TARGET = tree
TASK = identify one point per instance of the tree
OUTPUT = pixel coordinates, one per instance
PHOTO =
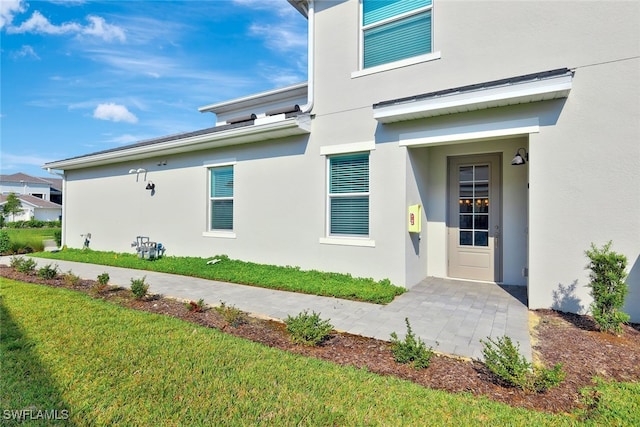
(13, 206)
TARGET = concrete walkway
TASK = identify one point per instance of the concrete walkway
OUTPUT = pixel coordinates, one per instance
(449, 315)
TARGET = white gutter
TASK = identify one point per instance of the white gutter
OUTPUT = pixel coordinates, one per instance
(310, 58)
(297, 125)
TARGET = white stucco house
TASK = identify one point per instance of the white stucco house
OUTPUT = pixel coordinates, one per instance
(488, 141)
(40, 198)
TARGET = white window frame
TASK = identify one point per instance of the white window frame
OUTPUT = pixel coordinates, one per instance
(225, 234)
(433, 55)
(333, 151)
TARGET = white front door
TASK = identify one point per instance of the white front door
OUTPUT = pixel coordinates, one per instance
(474, 220)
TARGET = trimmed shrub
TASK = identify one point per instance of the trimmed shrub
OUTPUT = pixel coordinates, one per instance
(196, 307)
(504, 360)
(5, 242)
(23, 265)
(139, 288)
(232, 315)
(608, 287)
(49, 271)
(308, 329)
(70, 279)
(57, 236)
(411, 349)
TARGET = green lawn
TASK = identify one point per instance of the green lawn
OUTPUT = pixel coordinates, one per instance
(31, 237)
(106, 364)
(248, 273)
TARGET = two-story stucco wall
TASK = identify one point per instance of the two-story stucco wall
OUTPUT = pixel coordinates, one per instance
(584, 158)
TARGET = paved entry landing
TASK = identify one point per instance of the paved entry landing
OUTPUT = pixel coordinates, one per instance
(456, 314)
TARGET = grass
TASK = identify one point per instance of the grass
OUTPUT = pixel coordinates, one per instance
(106, 364)
(29, 237)
(235, 271)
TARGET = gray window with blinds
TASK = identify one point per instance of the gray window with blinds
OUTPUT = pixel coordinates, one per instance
(221, 198)
(393, 30)
(349, 195)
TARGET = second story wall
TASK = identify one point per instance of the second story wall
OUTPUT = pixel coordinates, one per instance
(473, 42)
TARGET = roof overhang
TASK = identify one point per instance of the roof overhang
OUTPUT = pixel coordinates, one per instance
(257, 100)
(519, 90)
(301, 6)
(298, 125)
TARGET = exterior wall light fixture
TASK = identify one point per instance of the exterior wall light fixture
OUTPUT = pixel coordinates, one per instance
(150, 186)
(520, 159)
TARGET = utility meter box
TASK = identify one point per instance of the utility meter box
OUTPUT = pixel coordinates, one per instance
(414, 222)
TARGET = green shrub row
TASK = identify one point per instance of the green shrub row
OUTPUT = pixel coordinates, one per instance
(33, 223)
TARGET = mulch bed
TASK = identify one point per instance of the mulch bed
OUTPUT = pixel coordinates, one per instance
(570, 339)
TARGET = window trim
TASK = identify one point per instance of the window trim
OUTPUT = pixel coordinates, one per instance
(209, 232)
(433, 55)
(338, 239)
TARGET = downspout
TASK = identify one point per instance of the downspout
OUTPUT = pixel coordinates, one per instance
(310, 57)
(63, 238)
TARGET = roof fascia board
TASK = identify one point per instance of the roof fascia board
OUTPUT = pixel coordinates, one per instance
(298, 125)
(552, 88)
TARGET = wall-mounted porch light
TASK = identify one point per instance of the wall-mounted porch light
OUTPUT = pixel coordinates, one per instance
(520, 159)
(150, 186)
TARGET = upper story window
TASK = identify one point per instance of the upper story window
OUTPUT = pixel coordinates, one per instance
(221, 198)
(393, 30)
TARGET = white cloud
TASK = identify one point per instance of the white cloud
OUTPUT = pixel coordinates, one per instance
(8, 8)
(281, 37)
(114, 112)
(97, 27)
(26, 51)
(281, 8)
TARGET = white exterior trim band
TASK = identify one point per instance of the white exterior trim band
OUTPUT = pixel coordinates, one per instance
(512, 94)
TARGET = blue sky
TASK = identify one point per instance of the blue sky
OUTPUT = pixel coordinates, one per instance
(82, 76)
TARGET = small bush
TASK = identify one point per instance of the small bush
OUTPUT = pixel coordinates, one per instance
(70, 279)
(103, 279)
(5, 242)
(504, 360)
(232, 315)
(101, 283)
(23, 265)
(411, 349)
(308, 329)
(608, 287)
(49, 271)
(196, 307)
(139, 288)
(57, 236)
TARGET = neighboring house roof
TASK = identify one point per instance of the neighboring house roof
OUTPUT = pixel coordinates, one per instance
(53, 183)
(23, 177)
(534, 87)
(56, 183)
(36, 202)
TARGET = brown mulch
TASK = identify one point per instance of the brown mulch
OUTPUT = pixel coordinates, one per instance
(570, 339)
